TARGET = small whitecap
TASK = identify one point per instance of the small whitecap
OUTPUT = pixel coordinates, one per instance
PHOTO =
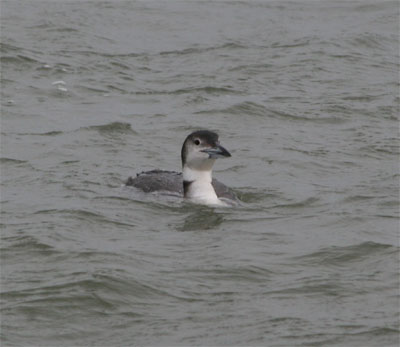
(58, 83)
(63, 89)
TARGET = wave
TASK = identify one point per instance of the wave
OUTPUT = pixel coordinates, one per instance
(211, 90)
(250, 108)
(197, 50)
(83, 215)
(339, 255)
(12, 161)
(112, 128)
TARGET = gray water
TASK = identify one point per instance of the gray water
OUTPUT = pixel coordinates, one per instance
(305, 96)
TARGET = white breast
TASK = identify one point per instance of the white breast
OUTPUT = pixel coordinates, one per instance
(201, 189)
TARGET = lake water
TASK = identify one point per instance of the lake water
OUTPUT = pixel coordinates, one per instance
(304, 94)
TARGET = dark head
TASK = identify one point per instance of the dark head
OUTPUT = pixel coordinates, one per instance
(200, 150)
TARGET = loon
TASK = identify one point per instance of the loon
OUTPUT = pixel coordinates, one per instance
(199, 152)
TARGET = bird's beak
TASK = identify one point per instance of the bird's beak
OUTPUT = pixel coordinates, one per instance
(217, 152)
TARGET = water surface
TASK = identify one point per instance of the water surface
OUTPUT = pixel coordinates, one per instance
(304, 94)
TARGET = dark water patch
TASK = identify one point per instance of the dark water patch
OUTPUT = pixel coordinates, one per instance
(391, 203)
(388, 334)
(381, 331)
(71, 162)
(125, 284)
(296, 43)
(23, 241)
(390, 112)
(7, 47)
(19, 61)
(313, 287)
(360, 198)
(67, 30)
(362, 98)
(348, 58)
(373, 7)
(49, 133)
(389, 146)
(208, 90)
(199, 50)
(13, 161)
(249, 108)
(26, 245)
(157, 201)
(112, 128)
(251, 195)
(253, 68)
(113, 88)
(371, 41)
(332, 109)
(342, 256)
(201, 220)
(238, 274)
(309, 202)
(97, 54)
(245, 108)
(381, 215)
(112, 198)
(51, 26)
(65, 290)
(50, 305)
(93, 90)
(120, 64)
(355, 336)
(83, 215)
(285, 321)
(320, 152)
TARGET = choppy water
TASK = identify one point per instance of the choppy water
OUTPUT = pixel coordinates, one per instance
(305, 96)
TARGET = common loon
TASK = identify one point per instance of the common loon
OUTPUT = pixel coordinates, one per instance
(199, 152)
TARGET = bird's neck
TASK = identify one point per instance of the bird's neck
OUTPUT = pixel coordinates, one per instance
(197, 186)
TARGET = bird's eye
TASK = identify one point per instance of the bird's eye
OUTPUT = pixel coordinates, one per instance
(197, 142)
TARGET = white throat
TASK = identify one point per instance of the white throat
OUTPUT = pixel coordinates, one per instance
(200, 189)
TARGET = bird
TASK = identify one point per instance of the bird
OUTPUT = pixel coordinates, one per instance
(195, 183)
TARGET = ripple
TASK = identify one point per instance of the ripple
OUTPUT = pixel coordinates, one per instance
(371, 40)
(210, 90)
(49, 133)
(83, 215)
(12, 161)
(337, 256)
(85, 264)
(197, 50)
(250, 108)
(113, 128)
(25, 245)
(20, 60)
(299, 204)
